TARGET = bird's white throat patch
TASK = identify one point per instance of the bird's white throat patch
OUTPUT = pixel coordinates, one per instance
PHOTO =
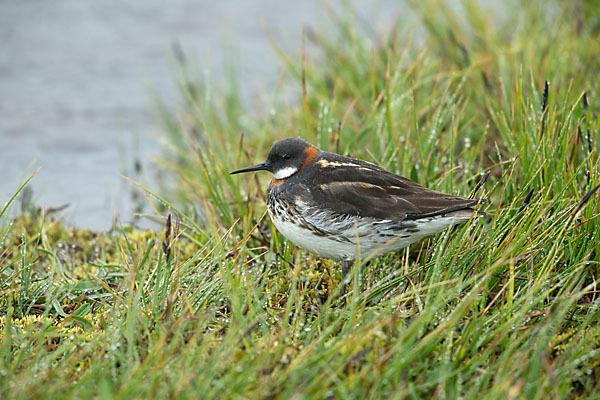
(285, 172)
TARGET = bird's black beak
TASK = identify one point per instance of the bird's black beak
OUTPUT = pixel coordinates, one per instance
(259, 167)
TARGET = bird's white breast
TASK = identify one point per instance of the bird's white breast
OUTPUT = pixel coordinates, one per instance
(336, 237)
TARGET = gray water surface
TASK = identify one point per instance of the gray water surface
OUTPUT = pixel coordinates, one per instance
(77, 80)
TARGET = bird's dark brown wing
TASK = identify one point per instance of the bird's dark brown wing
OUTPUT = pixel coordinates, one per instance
(354, 187)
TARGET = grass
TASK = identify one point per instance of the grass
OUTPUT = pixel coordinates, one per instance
(217, 305)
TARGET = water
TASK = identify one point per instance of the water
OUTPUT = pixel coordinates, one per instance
(77, 80)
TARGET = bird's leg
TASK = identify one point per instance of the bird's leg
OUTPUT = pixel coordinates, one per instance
(345, 269)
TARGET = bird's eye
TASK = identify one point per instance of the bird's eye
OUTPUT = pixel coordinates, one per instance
(286, 157)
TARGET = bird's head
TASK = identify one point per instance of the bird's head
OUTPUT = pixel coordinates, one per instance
(285, 158)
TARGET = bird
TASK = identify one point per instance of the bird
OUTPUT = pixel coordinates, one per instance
(337, 207)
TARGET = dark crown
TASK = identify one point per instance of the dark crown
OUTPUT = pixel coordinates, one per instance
(288, 153)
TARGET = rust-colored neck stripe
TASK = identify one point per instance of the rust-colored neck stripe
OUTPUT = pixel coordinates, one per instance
(311, 153)
(275, 182)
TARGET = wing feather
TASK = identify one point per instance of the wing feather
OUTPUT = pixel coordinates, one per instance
(359, 188)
